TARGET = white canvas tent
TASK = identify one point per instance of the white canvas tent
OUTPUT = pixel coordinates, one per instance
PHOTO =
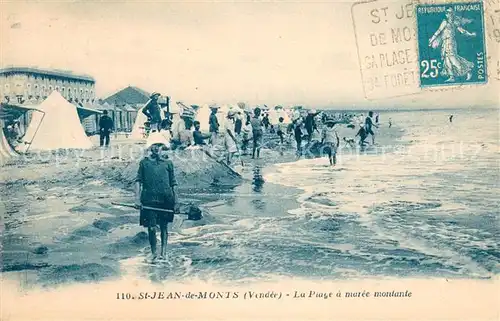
(275, 114)
(6, 152)
(221, 116)
(60, 127)
(203, 116)
(138, 128)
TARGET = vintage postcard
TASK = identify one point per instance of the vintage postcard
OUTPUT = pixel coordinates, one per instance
(249, 160)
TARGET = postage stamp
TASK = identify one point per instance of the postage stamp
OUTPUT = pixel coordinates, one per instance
(451, 44)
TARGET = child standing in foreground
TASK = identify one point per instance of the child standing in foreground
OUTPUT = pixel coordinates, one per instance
(331, 141)
(156, 187)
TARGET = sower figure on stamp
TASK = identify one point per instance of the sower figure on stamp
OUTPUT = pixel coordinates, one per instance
(454, 65)
(156, 187)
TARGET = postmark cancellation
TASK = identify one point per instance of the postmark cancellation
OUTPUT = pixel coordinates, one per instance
(409, 46)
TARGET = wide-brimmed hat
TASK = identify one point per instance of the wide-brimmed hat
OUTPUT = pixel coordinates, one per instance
(311, 111)
(330, 121)
(157, 138)
(154, 94)
(188, 113)
(214, 106)
(231, 113)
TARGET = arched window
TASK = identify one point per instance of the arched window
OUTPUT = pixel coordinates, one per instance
(44, 91)
(70, 94)
(50, 89)
(57, 88)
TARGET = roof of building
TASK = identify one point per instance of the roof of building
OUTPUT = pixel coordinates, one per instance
(11, 112)
(46, 72)
(128, 96)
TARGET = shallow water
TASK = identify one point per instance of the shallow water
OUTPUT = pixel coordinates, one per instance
(423, 205)
(426, 207)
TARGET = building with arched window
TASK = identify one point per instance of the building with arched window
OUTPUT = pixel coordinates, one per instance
(32, 85)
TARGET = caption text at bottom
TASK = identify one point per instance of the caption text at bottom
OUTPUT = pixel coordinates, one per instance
(259, 295)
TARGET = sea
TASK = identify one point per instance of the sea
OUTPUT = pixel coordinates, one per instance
(423, 205)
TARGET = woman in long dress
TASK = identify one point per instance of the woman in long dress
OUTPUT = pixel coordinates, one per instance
(454, 65)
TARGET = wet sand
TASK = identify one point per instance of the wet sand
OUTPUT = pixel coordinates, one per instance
(60, 227)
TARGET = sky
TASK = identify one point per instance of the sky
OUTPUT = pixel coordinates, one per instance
(289, 53)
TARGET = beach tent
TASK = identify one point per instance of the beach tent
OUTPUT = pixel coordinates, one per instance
(222, 115)
(138, 128)
(203, 116)
(176, 109)
(277, 112)
(237, 108)
(59, 127)
(179, 109)
(6, 152)
(10, 113)
(284, 114)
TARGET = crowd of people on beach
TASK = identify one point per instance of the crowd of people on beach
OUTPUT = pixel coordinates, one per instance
(245, 131)
(236, 133)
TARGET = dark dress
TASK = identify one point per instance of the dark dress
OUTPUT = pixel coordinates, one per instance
(213, 123)
(298, 138)
(237, 126)
(158, 179)
(257, 131)
(368, 126)
(309, 124)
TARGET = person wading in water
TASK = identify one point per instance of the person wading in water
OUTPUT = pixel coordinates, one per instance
(230, 142)
(330, 141)
(156, 187)
(369, 124)
(257, 132)
(298, 134)
(310, 123)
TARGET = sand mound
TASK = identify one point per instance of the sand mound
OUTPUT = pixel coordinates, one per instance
(193, 170)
